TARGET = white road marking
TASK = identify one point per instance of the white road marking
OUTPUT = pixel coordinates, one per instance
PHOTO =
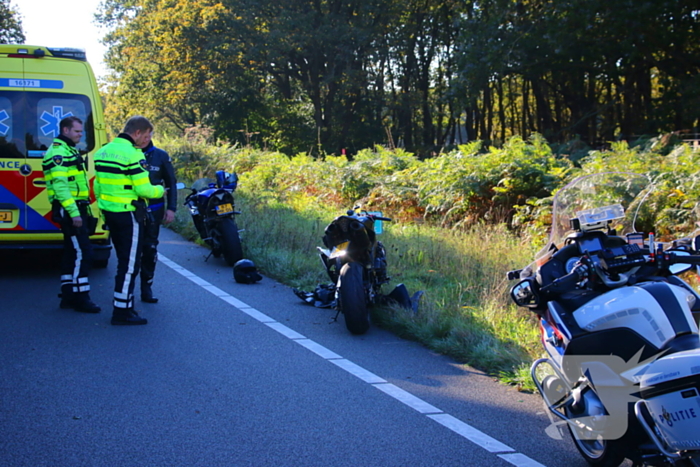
(471, 433)
(357, 370)
(318, 349)
(234, 301)
(520, 460)
(407, 398)
(216, 291)
(465, 430)
(285, 331)
(255, 314)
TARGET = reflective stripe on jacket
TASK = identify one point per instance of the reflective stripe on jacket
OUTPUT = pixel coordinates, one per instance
(65, 177)
(121, 177)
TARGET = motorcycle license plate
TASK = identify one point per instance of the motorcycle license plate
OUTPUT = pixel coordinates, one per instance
(5, 216)
(224, 209)
(339, 250)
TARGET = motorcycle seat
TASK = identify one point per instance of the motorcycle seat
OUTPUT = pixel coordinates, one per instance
(682, 343)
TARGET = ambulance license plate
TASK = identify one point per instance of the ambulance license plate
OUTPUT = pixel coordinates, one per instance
(5, 216)
(224, 209)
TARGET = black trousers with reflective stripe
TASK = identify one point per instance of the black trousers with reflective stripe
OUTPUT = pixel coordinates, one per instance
(76, 261)
(126, 233)
(150, 245)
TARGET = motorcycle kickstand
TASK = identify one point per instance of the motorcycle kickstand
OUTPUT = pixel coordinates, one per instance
(335, 318)
(208, 256)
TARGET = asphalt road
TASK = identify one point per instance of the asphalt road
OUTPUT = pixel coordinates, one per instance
(227, 374)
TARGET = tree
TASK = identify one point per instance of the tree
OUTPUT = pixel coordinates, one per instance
(320, 76)
(10, 24)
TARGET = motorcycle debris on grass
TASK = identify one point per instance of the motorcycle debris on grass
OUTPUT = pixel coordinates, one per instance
(356, 263)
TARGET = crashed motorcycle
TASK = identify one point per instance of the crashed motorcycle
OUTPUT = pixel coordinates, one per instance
(212, 207)
(619, 327)
(356, 263)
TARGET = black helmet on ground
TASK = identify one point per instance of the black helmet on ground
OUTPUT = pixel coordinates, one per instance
(245, 272)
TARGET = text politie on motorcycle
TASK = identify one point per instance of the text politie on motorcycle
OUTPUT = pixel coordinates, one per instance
(121, 184)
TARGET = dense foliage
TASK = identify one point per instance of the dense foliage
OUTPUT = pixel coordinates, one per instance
(326, 75)
(10, 24)
(470, 185)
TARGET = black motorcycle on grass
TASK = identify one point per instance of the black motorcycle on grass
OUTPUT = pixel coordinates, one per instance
(213, 209)
(356, 263)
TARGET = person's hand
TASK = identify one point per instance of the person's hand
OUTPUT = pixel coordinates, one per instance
(169, 216)
(77, 221)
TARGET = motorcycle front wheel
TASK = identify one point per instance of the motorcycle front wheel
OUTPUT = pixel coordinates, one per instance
(351, 296)
(230, 241)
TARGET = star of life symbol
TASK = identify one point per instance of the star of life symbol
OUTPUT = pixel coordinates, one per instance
(52, 120)
(4, 128)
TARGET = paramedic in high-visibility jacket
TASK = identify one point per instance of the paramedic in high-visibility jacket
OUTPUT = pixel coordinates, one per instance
(69, 195)
(121, 187)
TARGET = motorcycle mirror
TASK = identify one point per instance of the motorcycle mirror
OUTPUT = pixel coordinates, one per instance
(523, 294)
(179, 185)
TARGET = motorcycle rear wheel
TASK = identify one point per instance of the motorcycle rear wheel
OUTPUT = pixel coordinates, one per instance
(599, 452)
(351, 295)
(230, 241)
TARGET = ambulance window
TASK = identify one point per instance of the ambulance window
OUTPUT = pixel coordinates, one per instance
(29, 121)
(51, 109)
(10, 146)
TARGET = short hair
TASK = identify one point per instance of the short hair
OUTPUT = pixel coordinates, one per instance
(67, 122)
(136, 123)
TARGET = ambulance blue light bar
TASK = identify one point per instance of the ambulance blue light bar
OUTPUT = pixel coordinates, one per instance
(65, 52)
(78, 54)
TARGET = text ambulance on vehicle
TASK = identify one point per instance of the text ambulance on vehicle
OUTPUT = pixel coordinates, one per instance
(39, 86)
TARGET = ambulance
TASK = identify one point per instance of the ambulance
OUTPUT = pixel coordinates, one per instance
(39, 86)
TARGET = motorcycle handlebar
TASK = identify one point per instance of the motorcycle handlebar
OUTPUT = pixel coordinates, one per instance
(674, 258)
(566, 282)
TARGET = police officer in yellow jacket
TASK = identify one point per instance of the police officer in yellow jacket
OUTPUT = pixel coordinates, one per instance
(68, 190)
(121, 185)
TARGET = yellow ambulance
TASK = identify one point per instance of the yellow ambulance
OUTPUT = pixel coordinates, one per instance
(39, 86)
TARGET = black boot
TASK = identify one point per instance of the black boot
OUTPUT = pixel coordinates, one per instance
(127, 316)
(147, 293)
(66, 296)
(83, 303)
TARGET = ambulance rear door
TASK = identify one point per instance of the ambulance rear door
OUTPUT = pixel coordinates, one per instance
(20, 183)
(34, 105)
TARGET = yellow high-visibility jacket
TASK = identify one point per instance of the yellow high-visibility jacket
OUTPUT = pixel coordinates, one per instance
(121, 176)
(64, 173)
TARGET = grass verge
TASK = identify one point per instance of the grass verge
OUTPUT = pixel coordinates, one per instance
(465, 311)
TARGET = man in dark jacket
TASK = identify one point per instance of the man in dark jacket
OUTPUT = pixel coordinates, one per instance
(161, 172)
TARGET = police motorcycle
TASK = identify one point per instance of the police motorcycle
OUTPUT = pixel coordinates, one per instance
(212, 209)
(622, 371)
(356, 263)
